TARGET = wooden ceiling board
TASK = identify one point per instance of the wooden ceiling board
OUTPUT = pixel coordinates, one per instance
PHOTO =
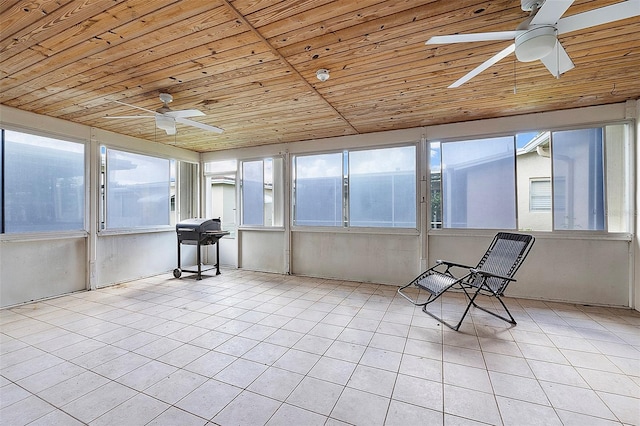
(149, 77)
(109, 57)
(135, 39)
(250, 65)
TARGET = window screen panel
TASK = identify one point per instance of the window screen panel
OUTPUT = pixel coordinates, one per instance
(43, 184)
(618, 177)
(221, 193)
(435, 187)
(138, 190)
(478, 184)
(187, 191)
(253, 193)
(318, 190)
(382, 188)
(578, 179)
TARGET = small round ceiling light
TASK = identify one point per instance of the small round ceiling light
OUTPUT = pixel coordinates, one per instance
(322, 74)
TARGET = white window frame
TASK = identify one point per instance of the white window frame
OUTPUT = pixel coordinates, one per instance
(629, 198)
(277, 193)
(346, 227)
(28, 235)
(103, 228)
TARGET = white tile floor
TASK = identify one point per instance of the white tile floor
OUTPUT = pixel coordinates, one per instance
(254, 348)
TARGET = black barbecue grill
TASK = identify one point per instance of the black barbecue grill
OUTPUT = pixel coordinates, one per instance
(199, 232)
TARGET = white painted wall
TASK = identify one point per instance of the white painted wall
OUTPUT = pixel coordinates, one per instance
(261, 250)
(228, 252)
(578, 269)
(368, 257)
(32, 269)
(125, 257)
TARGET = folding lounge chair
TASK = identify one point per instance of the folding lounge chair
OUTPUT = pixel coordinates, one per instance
(490, 277)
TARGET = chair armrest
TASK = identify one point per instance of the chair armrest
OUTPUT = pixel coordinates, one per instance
(490, 274)
(451, 264)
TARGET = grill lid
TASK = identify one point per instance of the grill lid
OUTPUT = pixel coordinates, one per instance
(198, 225)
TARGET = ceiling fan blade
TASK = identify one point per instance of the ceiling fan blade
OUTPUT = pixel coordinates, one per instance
(603, 15)
(551, 11)
(558, 61)
(183, 113)
(199, 125)
(136, 107)
(486, 64)
(128, 116)
(464, 38)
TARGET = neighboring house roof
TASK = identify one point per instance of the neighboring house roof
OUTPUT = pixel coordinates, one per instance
(541, 140)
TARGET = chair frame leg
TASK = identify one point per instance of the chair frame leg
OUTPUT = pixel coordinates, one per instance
(433, 298)
(434, 316)
(466, 311)
(472, 302)
(471, 296)
(510, 320)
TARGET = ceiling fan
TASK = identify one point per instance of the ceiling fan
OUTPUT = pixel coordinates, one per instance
(537, 36)
(166, 118)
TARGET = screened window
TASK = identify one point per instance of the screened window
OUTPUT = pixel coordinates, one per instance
(221, 193)
(435, 185)
(382, 187)
(365, 188)
(318, 190)
(261, 192)
(566, 180)
(257, 192)
(478, 183)
(137, 190)
(43, 184)
(618, 177)
(253, 196)
(184, 188)
(578, 179)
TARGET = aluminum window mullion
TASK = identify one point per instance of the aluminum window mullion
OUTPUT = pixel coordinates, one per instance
(345, 189)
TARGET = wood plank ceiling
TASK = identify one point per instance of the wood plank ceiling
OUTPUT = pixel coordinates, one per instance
(250, 65)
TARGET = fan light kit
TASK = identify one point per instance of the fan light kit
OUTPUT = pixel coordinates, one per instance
(166, 123)
(537, 37)
(166, 118)
(536, 43)
(322, 74)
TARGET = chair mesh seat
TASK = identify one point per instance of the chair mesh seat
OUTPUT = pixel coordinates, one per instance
(436, 283)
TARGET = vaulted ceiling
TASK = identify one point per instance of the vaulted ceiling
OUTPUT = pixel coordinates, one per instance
(250, 65)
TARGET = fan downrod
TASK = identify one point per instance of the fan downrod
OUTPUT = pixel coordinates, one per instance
(166, 98)
(529, 5)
